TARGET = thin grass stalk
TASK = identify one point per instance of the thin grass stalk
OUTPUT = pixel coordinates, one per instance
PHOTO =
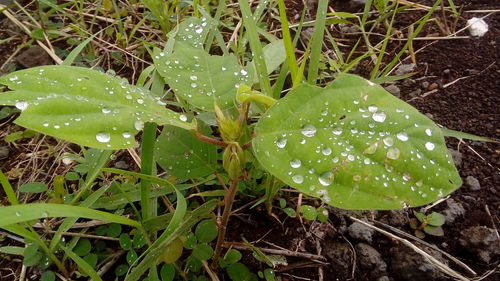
(256, 46)
(147, 161)
(381, 54)
(388, 68)
(317, 41)
(287, 39)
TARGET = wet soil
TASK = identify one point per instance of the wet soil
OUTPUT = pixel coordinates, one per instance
(465, 74)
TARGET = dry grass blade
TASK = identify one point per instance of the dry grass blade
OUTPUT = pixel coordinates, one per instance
(441, 266)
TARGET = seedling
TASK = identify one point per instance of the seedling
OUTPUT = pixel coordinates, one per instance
(430, 224)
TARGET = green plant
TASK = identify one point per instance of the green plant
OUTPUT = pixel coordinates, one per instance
(351, 144)
(430, 224)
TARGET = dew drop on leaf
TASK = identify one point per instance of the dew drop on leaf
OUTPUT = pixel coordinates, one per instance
(326, 151)
(393, 153)
(402, 136)
(139, 125)
(103, 137)
(281, 143)
(298, 179)
(372, 108)
(21, 105)
(428, 132)
(183, 118)
(326, 178)
(295, 163)
(337, 131)
(106, 110)
(371, 149)
(308, 130)
(429, 145)
(126, 134)
(379, 117)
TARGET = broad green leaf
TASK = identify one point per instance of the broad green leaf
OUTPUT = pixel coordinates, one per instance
(84, 106)
(238, 272)
(201, 79)
(309, 212)
(32, 255)
(434, 230)
(184, 156)
(125, 241)
(167, 272)
(436, 219)
(48, 276)
(202, 252)
(27, 212)
(355, 146)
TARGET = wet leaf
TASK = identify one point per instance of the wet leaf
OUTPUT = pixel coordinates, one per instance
(182, 155)
(309, 212)
(84, 106)
(355, 146)
(125, 241)
(121, 270)
(201, 79)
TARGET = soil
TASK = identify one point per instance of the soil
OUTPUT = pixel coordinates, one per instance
(466, 75)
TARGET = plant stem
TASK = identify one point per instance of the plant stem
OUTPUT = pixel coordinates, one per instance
(228, 204)
(210, 140)
(147, 167)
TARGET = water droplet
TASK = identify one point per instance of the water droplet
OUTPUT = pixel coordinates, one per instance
(393, 153)
(309, 130)
(350, 157)
(367, 161)
(45, 124)
(183, 118)
(106, 110)
(139, 125)
(193, 77)
(199, 30)
(21, 105)
(281, 143)
(337, 131)
(326, 178)
(371, 149)
(126, 134)
(194, 85)
(335, 160)
(389, 141)
(45, 215)
(428, 132)
(243, 72)
(326, 151)
(372, 108)
(18, 214)
(295, 163)
(402, 136)
(103, 137)
(298, 179)
(379, 116)
(140, 101)
(429, 145)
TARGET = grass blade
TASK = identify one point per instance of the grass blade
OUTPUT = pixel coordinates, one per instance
(462, 135)
(317, 41)
(256, 46)
(7, 188)
(84, 266)
(76, 51)
(23, 213)
(287, 39)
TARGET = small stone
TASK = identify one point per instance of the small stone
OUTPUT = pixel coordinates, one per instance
(454, 210)
(405, 68)
(446, 71)
(384, 278)
(4, 152)
(433, 86)
(368, 258)
(34, 56)
(473, 183)
(408, 82)
(477, 26)
(121, 165)
(359, 231)
(481, 241)
(425, 85)
(415, 93)
(472, 71)
(393, 89)
(457, 157)
(409, 266)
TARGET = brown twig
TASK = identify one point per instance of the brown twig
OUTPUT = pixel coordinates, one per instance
(228, 204)
(284, 252)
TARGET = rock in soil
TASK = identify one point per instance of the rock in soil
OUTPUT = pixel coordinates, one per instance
(481, 241)
(4, 152)
(405, 68)
(473, 183)
(121, 165)
(457, 157)
(371, 260)
(34, 56)
(409, 265)
(340, 256)
(454, 210)
(393, 89)
(360, 231)
(395, 218)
